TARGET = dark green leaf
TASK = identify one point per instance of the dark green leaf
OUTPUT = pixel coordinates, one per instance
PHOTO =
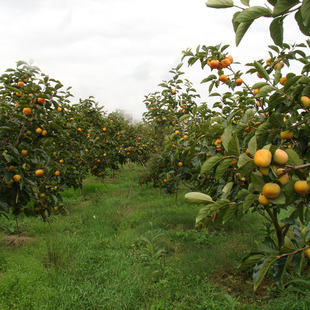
(210, 163)
(261, 269)
(229, 212)
(233, 146)
(261, 70)
(252, 13)
(222, 168)
(304, 29)
(305, 12)
(276, 31)
(249, 201)
(241, 29)
(283, 6)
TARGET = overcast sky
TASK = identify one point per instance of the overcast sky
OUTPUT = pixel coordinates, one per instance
(119, 51)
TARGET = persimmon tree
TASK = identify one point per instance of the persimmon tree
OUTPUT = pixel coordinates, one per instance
(264, 162)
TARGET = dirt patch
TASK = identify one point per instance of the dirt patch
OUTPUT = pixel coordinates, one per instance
(16, 240)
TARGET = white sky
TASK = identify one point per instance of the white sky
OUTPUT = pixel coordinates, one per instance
(119, 51)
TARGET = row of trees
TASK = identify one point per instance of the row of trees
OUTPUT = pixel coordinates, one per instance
(49, 144)
(250, 153)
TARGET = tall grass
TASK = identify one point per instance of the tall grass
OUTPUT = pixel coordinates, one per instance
(124, 246)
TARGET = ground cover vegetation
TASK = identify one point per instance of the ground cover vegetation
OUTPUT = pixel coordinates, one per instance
(245, 162)
(126, 246)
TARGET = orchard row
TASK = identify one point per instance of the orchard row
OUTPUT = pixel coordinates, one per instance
(250, 152)
(49, 144)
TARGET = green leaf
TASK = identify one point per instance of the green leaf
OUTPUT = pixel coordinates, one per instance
(261, 70)
(229, 212)
(293, 158)
(243, 160)
(280, 200)
(261, 269)
(227, 136)
(279, 270)
(210, 163)
(249, 261)
(245, 2)
(259, 85)
(297, 262)
(202, 214)
(305, 12)
(252, 13)
(249, 201)
(184, 117)
(222, 168)
(252, 145)
(233, 146)
(283, 6)
(198, 198)
(304, 29)
(209, 78)
(291, 81)
(218, 4)
(227, 189)
(241, 30)
(257, 181)
(276, 31)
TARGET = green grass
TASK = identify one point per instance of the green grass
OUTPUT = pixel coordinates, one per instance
(125, 246)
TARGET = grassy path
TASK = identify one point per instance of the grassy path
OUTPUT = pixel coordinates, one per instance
(124, 246)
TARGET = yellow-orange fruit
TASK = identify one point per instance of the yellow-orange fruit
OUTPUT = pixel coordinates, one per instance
(283, 80)
(180, 164)
(24, 153)
(280, 157)
(225, 62)
(185, 137)
(262, 158)
(39, 130)
(27, 111)
(265, 170)
(302, 187)
(305, 102)
(231, 59)
(39, 173)
(16, 178)
(284, 179)
(263, 200)
(214, 64)
(239, 81)
(307, 252)
(288, 134)
(271, 190)
(223, 78)
(57, 173)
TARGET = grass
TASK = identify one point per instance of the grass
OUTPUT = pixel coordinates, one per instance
(124, 246)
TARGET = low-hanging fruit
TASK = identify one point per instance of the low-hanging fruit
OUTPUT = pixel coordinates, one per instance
(39, 173)
(288, 134)
(280, 157)
(305, 101)
(223, 78)
(263, 200)
(239, 82)
(16, 178)
(283, 177)
(307, 252)
(27, 111)
(302, 187)
(262, 158)
(271, 190)
(41, 100)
